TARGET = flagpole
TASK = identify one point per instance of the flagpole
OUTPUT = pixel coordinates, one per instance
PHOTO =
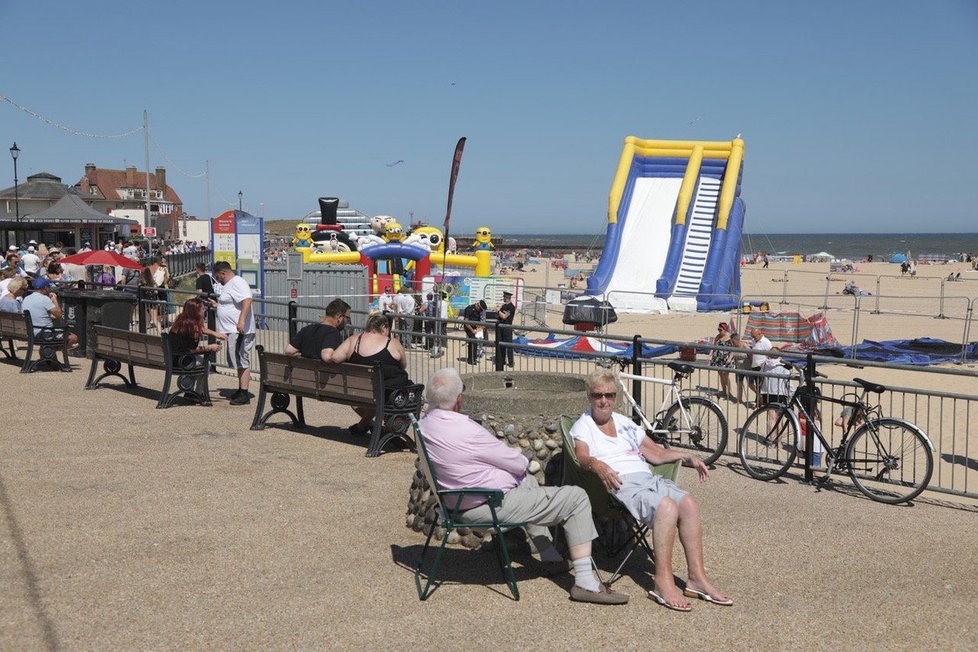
(456, 163)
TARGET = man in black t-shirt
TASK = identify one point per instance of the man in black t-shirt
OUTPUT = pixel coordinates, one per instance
(505, 325)
(205, 282)
(319, 340)
(473, 313)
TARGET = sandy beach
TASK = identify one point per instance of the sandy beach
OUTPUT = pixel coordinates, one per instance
(128, 527)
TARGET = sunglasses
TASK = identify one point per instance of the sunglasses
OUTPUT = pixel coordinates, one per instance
(599, 395)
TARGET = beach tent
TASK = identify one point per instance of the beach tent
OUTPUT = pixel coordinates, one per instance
(899, 259)
(822, 256)
(794, 328)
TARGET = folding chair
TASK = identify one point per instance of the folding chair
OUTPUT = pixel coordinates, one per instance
(448, 512)
(605, 507)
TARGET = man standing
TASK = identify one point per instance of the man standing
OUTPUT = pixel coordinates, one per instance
(235, 319)
(405, 306)
(761, 343)
(505, 325)
(320, 340)
(42, 303)
(204, 282)
(31, 261)
(464, 454)
(472, 314)
(386, 301)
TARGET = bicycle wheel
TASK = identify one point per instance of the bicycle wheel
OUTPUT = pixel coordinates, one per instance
(890, 460)
(704, 430)
(767, 443)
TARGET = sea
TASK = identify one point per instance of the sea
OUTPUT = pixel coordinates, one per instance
(855, 246)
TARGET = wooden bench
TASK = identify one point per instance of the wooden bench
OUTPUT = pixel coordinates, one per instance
(114, 347)
(48, 340)
(348, 384)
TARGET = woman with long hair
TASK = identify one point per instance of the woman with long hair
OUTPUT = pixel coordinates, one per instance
(189, 328)
(146, 293)
(375, 345)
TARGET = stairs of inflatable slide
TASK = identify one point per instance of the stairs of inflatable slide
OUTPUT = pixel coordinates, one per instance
(697, 245)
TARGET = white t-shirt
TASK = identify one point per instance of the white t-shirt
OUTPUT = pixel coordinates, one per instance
(31, 263)
(620, 453)
(762, 344)
(780, 383)
(386, 303)
(229, 306)
(404, 304)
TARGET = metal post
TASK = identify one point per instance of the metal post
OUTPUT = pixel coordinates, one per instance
(825, 302)
(637, 370)
(500, 352)
(941, 313)
(149, 214)
(877, 311)
(142, 310)
(14, 153)
(810, 407)
(293, 316)
(784, 289)
(857, 300)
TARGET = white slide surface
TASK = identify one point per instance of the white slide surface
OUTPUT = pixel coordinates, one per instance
(643, 246)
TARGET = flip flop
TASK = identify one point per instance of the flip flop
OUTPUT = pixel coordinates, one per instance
(693, 593)
(665, 603)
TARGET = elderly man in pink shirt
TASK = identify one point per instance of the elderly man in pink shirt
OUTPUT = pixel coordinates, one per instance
(465, 454)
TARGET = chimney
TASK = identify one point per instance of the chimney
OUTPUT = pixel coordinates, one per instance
(131, 176)
(90, 174)
(161, 179)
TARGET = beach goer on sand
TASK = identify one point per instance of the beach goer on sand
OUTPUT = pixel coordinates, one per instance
(913, 268)
(761, 343)
(471, 314)
(375, 346)
(612, 447)
(723, 358)
(321, 340)
(464, 454)
(236, 320)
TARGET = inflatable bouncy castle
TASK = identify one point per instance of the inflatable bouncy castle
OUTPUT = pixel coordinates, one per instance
(675, 218)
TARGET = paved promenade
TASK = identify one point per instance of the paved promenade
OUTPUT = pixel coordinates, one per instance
(127, 527)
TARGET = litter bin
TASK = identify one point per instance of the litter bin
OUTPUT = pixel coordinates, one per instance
(110, 308)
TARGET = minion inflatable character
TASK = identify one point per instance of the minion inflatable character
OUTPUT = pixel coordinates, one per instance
(303, 236)
(427, 237)
(483, 239)
(393, 232)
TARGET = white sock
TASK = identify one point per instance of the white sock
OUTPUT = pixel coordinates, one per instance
(584, 575)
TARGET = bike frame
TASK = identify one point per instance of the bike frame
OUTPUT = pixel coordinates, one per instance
(674, 393)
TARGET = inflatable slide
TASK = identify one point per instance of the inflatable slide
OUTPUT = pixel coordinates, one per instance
(675, 218)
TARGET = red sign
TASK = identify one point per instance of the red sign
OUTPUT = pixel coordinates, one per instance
(149, 231)
(294, 293)
(224, 223)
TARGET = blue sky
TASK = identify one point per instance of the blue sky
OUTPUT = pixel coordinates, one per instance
(858, 115)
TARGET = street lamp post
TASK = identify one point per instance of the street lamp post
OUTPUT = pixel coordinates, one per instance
(14, 153)
(239, 201)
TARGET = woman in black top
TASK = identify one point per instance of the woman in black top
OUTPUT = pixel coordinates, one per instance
(187, 331)
(375, 346)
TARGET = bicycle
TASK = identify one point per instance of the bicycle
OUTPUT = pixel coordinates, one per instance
(881, 454)
(692, 422)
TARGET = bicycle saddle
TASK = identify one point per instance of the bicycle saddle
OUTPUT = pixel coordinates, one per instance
(870, 387)
(681, 368)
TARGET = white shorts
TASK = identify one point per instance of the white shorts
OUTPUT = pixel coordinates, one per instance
(641, 493)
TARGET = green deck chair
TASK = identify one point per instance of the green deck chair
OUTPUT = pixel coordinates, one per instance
(604, 505)
(447, 511)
